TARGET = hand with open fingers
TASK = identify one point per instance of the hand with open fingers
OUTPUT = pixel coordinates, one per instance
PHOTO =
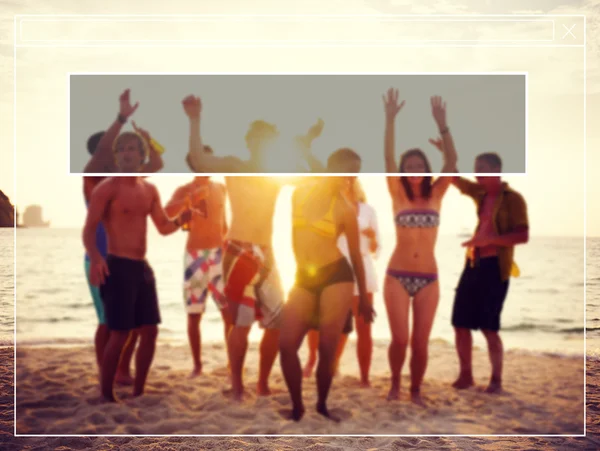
(437, 143)
(438, 109)
(125, 107)
(390, 102)
(366, 309)
(98, 272)
(192, 106)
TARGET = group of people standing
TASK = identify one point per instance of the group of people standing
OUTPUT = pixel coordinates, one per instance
(335, 237)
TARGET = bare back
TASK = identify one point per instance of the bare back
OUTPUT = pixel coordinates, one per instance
(126, 216)
(253, 201)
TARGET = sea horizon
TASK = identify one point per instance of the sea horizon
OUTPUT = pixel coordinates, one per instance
(551, 269)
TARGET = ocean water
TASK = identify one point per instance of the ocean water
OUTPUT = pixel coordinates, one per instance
(544, 310)
(7, 286)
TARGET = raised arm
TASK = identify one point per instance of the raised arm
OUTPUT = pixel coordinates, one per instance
(103, 159)
(445, 144)
(197, 159)
(304, 145)
(164, 225)
(392, 107)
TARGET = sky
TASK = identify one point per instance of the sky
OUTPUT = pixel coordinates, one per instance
(350, 106)
(553, 185)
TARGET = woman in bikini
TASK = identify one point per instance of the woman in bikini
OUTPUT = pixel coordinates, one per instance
(412, 270)
(322, 295)
(369, 247)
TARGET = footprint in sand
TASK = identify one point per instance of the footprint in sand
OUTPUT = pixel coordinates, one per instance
(125, 418)
(96, 419)
(54, 413)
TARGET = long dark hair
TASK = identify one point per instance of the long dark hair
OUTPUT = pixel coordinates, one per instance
(425, 184)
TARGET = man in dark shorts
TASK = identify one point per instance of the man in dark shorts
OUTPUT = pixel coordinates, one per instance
(100, 147)
(125, 278)
(483, 286)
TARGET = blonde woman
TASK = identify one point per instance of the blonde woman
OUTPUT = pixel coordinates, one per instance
(369, 249)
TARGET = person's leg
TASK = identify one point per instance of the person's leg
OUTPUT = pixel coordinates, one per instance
(100, 341)
(496, 351)
(123, 376)
(338, 353)
(346, 331)
(240, 270)
(144, 357)
(493, 301)
(364, 342)
(313, 345)
(295, 321)
(334, 305)
(269, 347)
(102, 331)
(237, 345)
(465, 313)
(193, 330)
(425, 305)
(464, 349)
(397, 302)
(110, 361)
(147, 314)
(270, 298)
(118, 294)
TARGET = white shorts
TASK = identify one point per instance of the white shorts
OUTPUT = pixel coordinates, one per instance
(203, 273)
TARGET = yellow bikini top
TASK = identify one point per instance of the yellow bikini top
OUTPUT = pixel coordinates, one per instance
(324, 226)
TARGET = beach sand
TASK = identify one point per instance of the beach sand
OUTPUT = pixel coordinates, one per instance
(57, 393)
(82, 415)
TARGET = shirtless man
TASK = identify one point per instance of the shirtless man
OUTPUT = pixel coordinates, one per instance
(99, 146)
(125, 278)
(483, 285)
(203, 255)
(252, 284)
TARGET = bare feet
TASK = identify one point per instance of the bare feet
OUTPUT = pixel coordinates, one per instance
(197, 371)
(309, 368)
(394, 393)
(495, 386)
(123, 379)
(236, 395)
(294, 414)
(463, 381)
(322, 410)
(365, 384)
(263, 389)
(138, 393)
(109, 398)
(415, 397)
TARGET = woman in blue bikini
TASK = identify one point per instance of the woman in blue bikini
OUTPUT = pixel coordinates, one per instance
(412, 270)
